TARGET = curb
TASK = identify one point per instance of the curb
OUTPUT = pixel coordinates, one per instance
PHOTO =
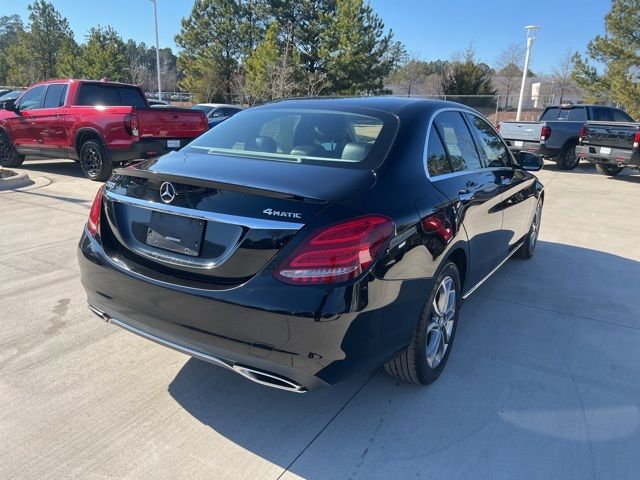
(17, 181)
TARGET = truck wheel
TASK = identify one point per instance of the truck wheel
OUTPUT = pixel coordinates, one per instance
(8, 156)
(610, 170)
(568, 159)
(95, 162)
(423, 360)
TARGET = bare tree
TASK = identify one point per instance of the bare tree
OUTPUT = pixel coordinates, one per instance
(411, 74)
(562, 74)
(509, 66)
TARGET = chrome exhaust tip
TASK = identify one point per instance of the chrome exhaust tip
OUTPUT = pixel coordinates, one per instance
(103, 316)
(269, 379)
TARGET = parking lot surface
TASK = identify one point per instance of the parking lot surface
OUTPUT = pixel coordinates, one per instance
(543, 381)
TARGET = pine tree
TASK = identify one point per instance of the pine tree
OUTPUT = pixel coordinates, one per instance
(619, 50)
(104, 55)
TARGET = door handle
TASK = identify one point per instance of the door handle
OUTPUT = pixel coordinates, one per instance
(59, 115)
(465, 195)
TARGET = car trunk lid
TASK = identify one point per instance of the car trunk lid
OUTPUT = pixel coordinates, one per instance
(521, 131)
(610, 134)
(217, 219)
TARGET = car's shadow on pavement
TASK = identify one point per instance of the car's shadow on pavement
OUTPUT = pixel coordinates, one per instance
(67, 168)
(543, 378)
(587, 168)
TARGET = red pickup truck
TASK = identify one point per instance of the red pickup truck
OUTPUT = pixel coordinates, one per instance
(95, 123)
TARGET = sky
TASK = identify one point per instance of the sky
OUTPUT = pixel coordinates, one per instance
(432, 29)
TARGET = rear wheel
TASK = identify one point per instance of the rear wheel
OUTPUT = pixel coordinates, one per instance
(526, 250)
(607, 169)
(423, 360)
(8, 155)
(568, 159)
(95, 162)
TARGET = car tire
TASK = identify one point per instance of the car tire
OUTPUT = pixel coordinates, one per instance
(568, 159)
(423, 360)
(95, 161)
(607, 169)
(526, 250)
(8, 155)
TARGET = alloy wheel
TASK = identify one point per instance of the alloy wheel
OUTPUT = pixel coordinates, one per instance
(440, 327)
(4, 150)
(535, 227)
(92, 161)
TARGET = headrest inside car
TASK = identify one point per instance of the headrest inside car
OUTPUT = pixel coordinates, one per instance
(355, 151)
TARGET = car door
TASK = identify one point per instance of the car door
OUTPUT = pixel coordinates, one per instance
(517, 194)
(22, 127)
(472, 190)
(50, 121)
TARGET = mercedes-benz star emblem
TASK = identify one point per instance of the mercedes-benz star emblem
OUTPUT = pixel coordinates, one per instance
(167, 192)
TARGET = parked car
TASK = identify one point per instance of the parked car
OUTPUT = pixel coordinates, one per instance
(159, 103)
(610, 146)
(555, 135)
(302, 241)
(217, 112)
(9, 97)
(98, 124)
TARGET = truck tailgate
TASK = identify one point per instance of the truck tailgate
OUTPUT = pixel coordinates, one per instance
(526, 131)
(170, 123)
(610, 134)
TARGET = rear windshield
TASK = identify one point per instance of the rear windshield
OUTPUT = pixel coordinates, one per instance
(110, 96)
(575, 114)
(348, 139)
(204, 108)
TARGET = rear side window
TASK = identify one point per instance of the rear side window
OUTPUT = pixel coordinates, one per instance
(620, 116)
(55, 95)
(109, 96)
(574, 114)
(494, 149)
(437, 161)
(577, 114)
(458, 142)
(602, 114)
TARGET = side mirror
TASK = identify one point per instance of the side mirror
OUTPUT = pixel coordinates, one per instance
(11, 106)
(530, 161)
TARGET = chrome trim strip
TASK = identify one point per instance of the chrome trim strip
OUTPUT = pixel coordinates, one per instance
(250, 222)
(460, 172)
(477, 285)
(239, 369)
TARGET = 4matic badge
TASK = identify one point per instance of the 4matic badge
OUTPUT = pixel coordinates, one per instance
(276, 213)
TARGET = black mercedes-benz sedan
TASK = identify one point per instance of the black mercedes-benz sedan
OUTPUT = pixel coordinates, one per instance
(303, 241)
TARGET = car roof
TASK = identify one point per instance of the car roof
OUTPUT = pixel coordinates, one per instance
(390, 104)
(216, 105)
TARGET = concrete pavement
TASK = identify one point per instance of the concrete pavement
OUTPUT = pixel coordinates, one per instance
(543, 381)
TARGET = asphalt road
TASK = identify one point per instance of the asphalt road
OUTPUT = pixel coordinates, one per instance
(543, 381)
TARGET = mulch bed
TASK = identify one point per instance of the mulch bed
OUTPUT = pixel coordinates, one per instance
(6, 173)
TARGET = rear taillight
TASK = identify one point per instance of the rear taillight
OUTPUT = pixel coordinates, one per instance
(131, 124)
(337, 253)
(581, 135)
(498, 128)
(545, 133)
(93, 224)
(636, 139)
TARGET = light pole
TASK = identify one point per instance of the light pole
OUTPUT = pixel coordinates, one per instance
(155, 15)
(531, 31)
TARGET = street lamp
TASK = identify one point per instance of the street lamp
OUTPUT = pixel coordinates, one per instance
(531, 31)
(155, 15)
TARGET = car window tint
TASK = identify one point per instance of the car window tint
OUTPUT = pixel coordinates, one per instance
(32, 99)
(494, 149)
(577, 114)
(107, 95)
(550, 114)
(437, 161)
(620, 116)
(601, 114)
(457, 139)
(55, 95)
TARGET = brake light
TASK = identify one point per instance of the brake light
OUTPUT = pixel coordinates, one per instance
(337, 253)
(581, 135)
(131, 124)
(93, 224)
(498, 128)
(636, 139)
(545, 133)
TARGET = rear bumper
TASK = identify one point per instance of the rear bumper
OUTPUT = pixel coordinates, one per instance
(533, 147)
(146, 149)
(617, 156)
(309, 336)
